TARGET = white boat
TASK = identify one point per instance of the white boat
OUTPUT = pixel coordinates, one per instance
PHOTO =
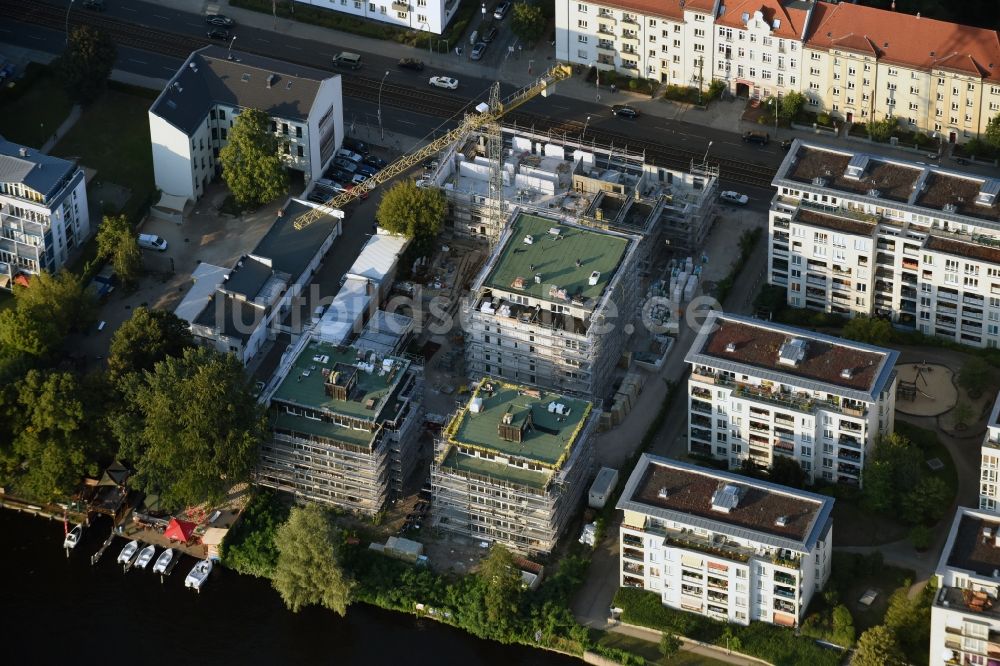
(198, 575)
(128, 552)
(163, 561)
(145, 556)
(73, 537)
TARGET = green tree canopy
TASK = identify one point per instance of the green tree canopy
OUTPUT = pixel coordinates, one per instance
(975, 376)
(878, 647)
(873, 330)
(527, 22)
(57, 420)
(501, 583)
(891, 470)
(787, 471)
(791, 105)
(881, 130)
(190, 427)
(669, 644)
(116, 242)
(309, 570)
(926, 502)
(415, 212)
(251, 164)
(86, 64)
(992, 133)
(843, 626)
(962, 414)
(147, 337)
(44, 313)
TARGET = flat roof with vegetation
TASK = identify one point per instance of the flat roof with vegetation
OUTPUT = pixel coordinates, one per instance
(556, 259)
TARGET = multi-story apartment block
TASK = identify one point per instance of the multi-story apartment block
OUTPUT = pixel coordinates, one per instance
(862, 64)
(551, 305)
(989, 469)
(721, 545)
(670, 41)
(758, 46)
(43, 212)
(759, 390)
(425, 15)
(605, 186)
(965, 616)
(345, 427)
(190, 120)
(512, 466)
(854, 233)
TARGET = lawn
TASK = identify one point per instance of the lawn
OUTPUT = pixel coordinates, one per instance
(651, 651)
(886, 582)
(31, 114)
(112, 137)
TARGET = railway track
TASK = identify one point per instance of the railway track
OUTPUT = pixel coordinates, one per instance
(427, 102)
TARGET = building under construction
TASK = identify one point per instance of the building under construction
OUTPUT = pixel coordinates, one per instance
(512, 465)
(345, 425)
(606, 186)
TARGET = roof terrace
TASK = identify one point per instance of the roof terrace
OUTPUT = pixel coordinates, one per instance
(827, 168)
(951, 193)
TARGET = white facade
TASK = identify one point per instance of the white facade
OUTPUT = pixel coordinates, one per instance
(758, 390)
(852, 233)
(965, 617)
(989, 470)
(190, 121)
(425, 15)
(43, 212)
(682, 539)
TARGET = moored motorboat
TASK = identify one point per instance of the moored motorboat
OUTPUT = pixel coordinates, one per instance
(128, 552)
(163, 561)
(73, 537)
(198, 575)
(145, 556)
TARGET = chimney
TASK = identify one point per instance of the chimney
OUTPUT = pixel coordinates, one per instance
(23, 151)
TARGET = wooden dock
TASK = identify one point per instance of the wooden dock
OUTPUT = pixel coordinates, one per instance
(96, 557)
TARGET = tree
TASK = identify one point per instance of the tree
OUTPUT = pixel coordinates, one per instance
(791, 105)
(501, 583)
(116, 241)
(308, 571)
(992, 133)
(921, 537)
(881, 130)
(57, 420)
(527, 22)
(872, 330)
(190, 427)
(415, 212)
(927, 501)
(44, 313)
(669, 644)
(787, 472)
(961, 414)
(86, 64)
(892, 469)
(843, 626)
(878, 647)
(251, 164)
(147, 337)
(975, 376)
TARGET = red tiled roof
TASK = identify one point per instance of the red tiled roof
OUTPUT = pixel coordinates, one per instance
(906, 39)
(791, 21)
(665, 8)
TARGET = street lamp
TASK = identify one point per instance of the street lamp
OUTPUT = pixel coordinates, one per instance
(229, 53)
(584, 132)
(597, 81)
(380, 130)
(704, 160)
(69, 7)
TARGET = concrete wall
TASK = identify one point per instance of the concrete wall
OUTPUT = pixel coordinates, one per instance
(171, 158)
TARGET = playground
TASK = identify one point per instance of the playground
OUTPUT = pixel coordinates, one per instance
(925, 389)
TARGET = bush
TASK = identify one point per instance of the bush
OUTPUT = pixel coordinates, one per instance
(921, 537)
(715, 90)
(618, 655)
(249, 546)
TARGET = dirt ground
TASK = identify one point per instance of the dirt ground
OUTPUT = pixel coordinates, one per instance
(936, 392)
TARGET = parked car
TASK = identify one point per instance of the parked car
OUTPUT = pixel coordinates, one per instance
(411, 63)
(477, 51)
(761, 138)
(358, 179)
(376, 162)
(501, 10)
(220, 19)
(491, 34)
(346, 165)
(349, 155)
(359, 147)
(104, 282)
(151, 242)
(219, 33)
(734, 198)
(624, 111)
(444, 82)
(96, 5)
(366, 169)
(786, 145)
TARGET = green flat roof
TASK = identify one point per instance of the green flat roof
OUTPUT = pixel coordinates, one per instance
(305, 384)
(488, 468)
(301, 424)
(548, 438)
(555, 259)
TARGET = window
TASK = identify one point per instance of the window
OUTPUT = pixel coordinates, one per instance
(581, 24)
(582, 8)
(698, 32)
(300, 151)
(893, 71)
(582, 39)
(699, 18)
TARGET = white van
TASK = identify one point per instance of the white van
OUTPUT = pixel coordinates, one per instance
(347, 59)
(151, 242)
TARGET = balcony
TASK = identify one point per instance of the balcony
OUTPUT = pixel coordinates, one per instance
(634, 555)
(787, 559)
(718, 583)
(628, 581)
(400, 6)
(633, 568)
(629, 38)
(785, 592)
(784, 606)
(700, 392)
(784, 419)
(846, 440)
(606, 47)
(785, 579)
(848, 468)
(851, 426)
(717, 597)
(801, 402)
(632, 540)
(849, 456)
(910, 264)
(701, 407)
(716, 547)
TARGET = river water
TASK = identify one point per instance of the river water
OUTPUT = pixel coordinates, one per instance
(59, 610)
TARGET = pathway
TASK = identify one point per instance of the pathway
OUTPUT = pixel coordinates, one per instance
(64, 128)
(695, 647)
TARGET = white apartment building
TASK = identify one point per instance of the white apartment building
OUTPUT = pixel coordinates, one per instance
(670, 41)
(722, 545)
(512, 466)
(965, 616)
(551, 304)
(759, 390)
(854, 233)
(426, 15)
(989, 469)
(43, 212)
(190, 120)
